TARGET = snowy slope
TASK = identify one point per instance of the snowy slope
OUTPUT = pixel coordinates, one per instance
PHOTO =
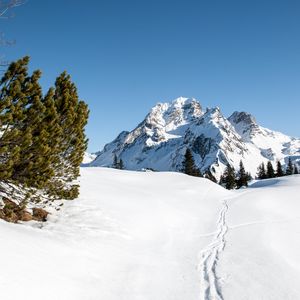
(160, 236)
(160, 140)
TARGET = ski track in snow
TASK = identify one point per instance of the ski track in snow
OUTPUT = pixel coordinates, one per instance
(210, 287)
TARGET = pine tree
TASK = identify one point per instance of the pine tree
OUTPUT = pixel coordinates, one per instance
(115, 164)
(243, 177)
(279, 171)
(290, 168)
(270, 170)
(261, 171)
(296, 170)
(229, 178)
(43, 140)
(188, 163)
(121, 164)
(22, 148)
(15, 87)
(72, 143)
(33, 169)
(222, 181)
(210, 176)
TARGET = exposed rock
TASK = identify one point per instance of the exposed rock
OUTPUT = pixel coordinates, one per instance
(25, 216)
(39, 214)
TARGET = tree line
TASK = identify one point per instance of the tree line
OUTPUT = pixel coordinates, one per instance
(231, 179)
(42, 137)
(268, 171)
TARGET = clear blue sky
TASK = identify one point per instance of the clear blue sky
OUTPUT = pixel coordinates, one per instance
(125, 56)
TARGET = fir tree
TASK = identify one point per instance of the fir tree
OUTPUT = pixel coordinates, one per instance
(279, 171)
(229, 178)
(243, 177)
(188, 163)
(118, 163)
(121, 164)
(270, 170)
(261, 171)
(296, 170)
(222, 181)
(290, 168)
(115, 164)
(210, 176)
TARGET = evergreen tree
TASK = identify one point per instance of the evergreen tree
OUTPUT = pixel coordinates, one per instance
(188, 163)
(229, 178)
(261, 171)
(115, 164)
(43, 141)
(210, 176)
(33, 169)
(72, 116)
(270, 170)
(296, 170)
(121, 164)
(15, 86)
(222, 181)
(243, 177)
(279, 171)
(290, 168)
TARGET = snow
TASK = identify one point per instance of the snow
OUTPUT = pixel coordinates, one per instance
(159, 142)
(88, 157)
(167, 236)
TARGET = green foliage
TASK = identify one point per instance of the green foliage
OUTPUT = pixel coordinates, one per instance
(243, 177)
(43, 140)
(228, 178)
(261, 172)
(290, 168)
(270, 170)
(118, 163)
(121, 164)
(188, 164)
(279, 171)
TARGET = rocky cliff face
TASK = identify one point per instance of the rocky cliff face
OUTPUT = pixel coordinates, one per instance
(161, 139)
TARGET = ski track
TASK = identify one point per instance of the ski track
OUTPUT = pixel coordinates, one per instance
(209, 283)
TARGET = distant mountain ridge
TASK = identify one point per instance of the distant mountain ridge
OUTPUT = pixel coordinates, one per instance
(161, 139)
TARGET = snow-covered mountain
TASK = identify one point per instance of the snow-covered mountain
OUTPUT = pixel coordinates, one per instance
(161, 139)
(88, 158)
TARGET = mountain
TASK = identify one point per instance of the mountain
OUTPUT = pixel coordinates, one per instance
(88, 158)
(161, 139)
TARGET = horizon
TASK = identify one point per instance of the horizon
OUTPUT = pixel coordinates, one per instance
(126, 57)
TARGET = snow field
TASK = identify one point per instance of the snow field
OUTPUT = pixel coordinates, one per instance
(135, 235)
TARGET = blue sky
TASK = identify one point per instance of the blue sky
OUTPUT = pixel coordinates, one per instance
(125, 56)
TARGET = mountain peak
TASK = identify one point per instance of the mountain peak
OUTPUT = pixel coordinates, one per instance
(242, 117)
(245, 124)
(160, 140)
